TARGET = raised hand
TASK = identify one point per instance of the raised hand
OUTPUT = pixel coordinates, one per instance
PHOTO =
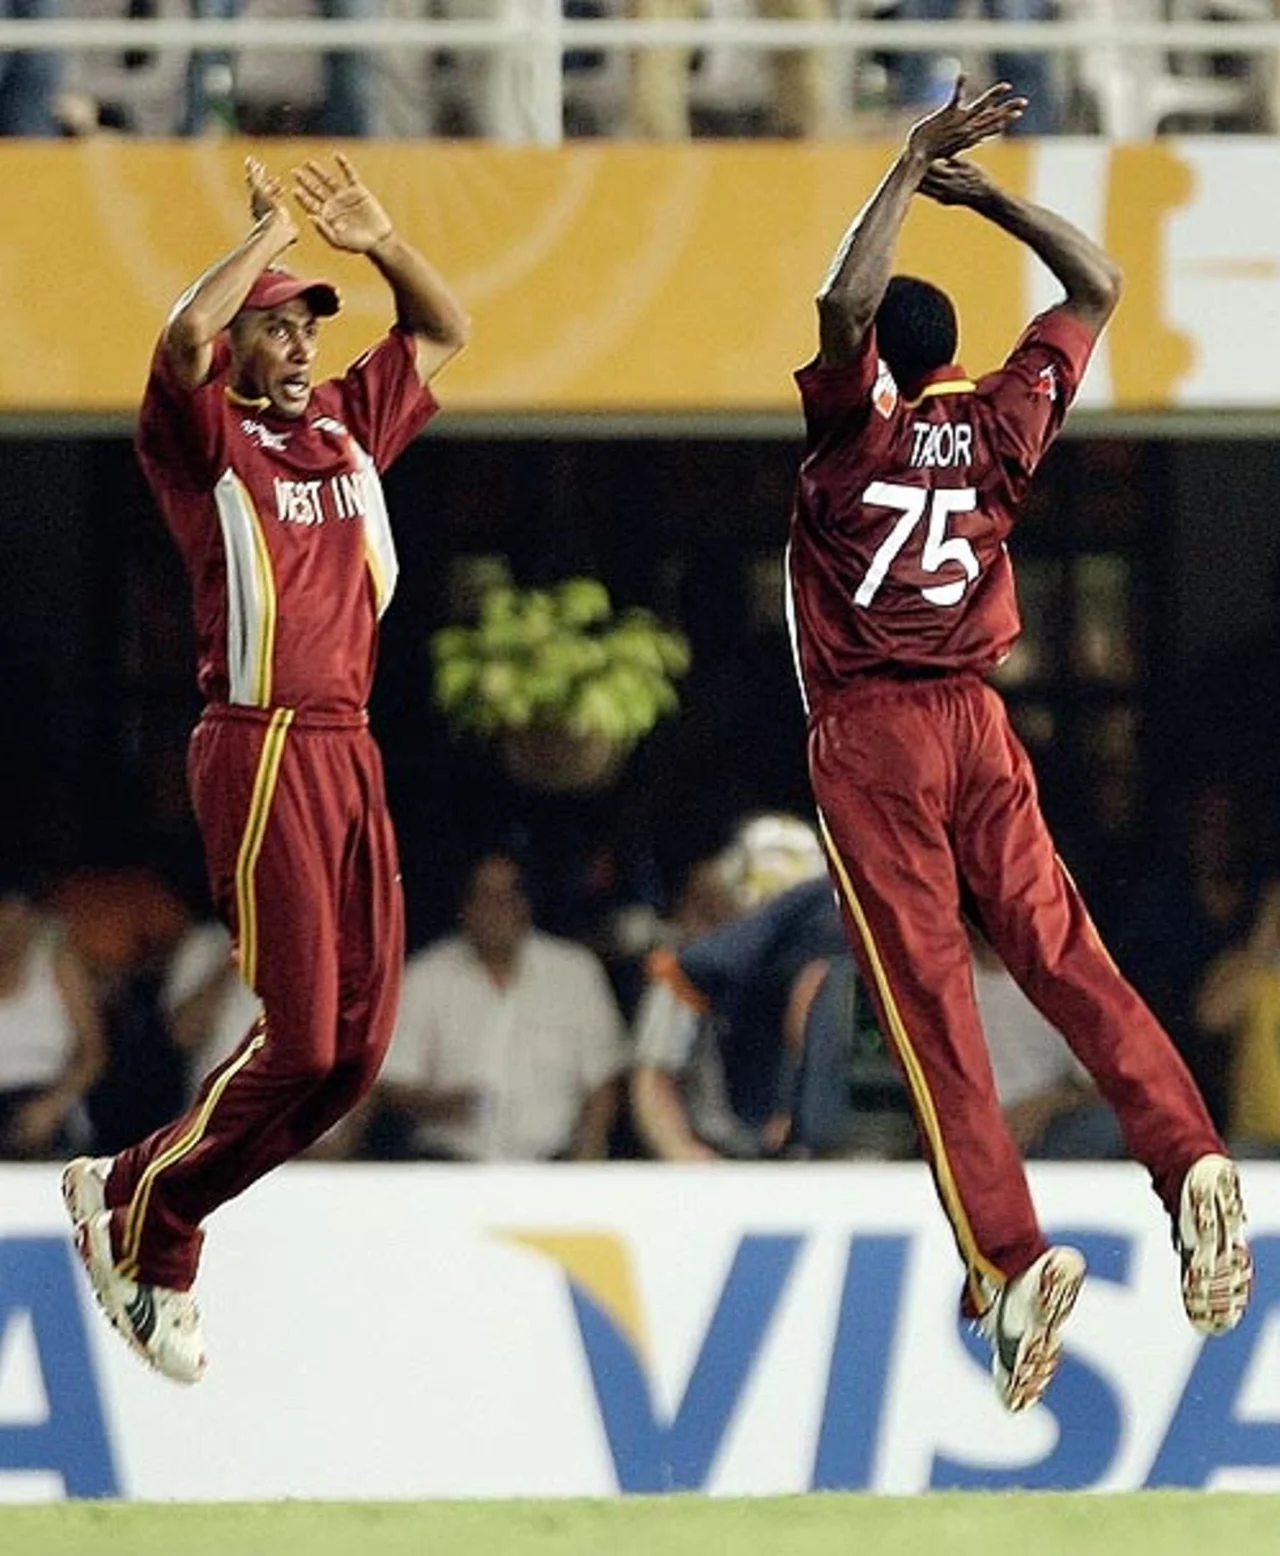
(955, 181)
(344, 213)
(267, 196)
(957, 125)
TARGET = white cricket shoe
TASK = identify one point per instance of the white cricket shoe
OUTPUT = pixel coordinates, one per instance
(1217, 1267)
(1024, 1323)
(84, 1187)
(162, 1325)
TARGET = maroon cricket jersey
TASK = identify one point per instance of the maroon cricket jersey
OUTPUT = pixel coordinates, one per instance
(282, 522)
(897, 558)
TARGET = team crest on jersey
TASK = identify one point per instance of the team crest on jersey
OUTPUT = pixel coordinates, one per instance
(885, 394)
(1047, 383)
(276, 442)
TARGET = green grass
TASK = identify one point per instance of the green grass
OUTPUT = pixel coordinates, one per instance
(975, 1524)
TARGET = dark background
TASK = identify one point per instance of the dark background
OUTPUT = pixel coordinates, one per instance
(1148, 572)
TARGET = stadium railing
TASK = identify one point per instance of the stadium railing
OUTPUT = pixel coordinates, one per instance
(538, 33)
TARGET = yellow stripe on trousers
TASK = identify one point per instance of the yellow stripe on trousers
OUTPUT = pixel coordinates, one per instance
(195, 1133)
(978, 1268)
(255, 827)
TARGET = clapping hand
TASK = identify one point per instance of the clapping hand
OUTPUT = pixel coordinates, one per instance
(955, 181)
(267, 197)
(958, 125)
(343, 211)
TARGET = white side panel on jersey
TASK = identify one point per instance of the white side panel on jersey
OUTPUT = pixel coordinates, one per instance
(250, 594)
(380, 545)
(1070, 177)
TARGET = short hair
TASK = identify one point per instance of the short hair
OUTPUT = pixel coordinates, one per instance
(916, 329)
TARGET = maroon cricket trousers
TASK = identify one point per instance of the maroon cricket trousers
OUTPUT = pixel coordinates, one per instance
(929, 809)
(302, 865)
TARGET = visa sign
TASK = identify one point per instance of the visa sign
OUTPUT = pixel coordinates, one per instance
(1210, 1429)
(40, 1307)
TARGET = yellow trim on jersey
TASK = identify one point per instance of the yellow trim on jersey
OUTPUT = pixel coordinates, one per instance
(945, 386)
(978, 1268)
(378, 577)
(248, 402)
(264, 785)
(137, 1212)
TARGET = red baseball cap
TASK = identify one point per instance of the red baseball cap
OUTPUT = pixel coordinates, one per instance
(275, 286)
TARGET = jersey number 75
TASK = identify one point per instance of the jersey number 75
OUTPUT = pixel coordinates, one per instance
(915, 504)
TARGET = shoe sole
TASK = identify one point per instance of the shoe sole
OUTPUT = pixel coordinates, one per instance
(1217, 1277)
(74, 1178)
(113, 1312)
(1040, 1348)
(116, 1313)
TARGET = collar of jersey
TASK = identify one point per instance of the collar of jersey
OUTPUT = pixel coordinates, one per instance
(945, 380)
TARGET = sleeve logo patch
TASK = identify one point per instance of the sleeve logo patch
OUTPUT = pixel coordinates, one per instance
(885, 394)
(1047, 383)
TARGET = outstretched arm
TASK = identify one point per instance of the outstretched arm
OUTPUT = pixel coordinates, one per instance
(661, 1118)
(860, 269)
(1089, 276)
(207, 307)
(348, 216)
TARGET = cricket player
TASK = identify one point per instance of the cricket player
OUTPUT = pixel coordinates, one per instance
(902, 601)
(270, 486)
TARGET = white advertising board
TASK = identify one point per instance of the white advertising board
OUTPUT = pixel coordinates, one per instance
(426, 1331)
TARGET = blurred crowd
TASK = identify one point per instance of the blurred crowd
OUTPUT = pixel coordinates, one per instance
(663, 93)
(723, 1022)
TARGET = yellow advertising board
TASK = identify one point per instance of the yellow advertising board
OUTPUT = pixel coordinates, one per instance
(618, 277)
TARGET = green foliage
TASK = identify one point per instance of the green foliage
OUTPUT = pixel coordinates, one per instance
(562, 657)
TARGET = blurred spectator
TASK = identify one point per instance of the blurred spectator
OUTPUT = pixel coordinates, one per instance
(851, 1100)
(1239, 1001)
(1198, 900)
(509, 1044)
(209, 1012)
(1050, 1103)
(719, 1029)
(119, 918)
(803, 83)
(923, 81)
(428, 92)
(52, 1049)
(124, 923)
(206, 1003)
(854, 1102)
(29, 78)
(350, 78)
(703, 902)
(144, 1085)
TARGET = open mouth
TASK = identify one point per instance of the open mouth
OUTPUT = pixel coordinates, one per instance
(295, 389)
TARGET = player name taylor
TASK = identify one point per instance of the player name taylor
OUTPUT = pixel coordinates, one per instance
(941, 445)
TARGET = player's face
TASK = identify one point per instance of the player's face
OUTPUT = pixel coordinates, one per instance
(272, 354)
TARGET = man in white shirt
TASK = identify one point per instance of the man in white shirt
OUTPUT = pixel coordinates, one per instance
(509, 1044)
(205, 1001)
(1051, 1105)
